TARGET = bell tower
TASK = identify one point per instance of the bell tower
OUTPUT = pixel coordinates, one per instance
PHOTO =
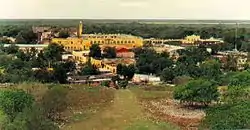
(80, 28)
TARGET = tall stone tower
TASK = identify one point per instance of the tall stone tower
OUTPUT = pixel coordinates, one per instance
(80, 28)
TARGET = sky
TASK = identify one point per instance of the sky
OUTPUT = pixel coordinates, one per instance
(125, 9)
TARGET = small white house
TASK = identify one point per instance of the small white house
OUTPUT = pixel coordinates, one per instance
(148, 78)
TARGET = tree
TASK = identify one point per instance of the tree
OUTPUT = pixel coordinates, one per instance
(229, 116)
(231, 63)
(44, 76)
(197, 91)
(109, 52)
(60, 73)
(12, 49)
(20, 39)
(150, 62)
(95, 51)
(240, 79)
(211, 69)
(26, 36)
(14, 101)
(18, 71)
(89, 69)
(23, 56)
(126, 71)
(167, 74)
(53, 52)
(69, 66)
(64, 34)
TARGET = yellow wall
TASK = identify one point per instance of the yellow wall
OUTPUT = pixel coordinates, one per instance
(115, 40)
(71, 44)
(78, 56)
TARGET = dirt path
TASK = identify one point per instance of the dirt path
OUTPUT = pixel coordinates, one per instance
(122, 113)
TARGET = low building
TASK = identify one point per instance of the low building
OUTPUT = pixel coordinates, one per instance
(138, 78)
(26, 47)
(124, 53)
(90, 79)
(67, 57)
(241, 57)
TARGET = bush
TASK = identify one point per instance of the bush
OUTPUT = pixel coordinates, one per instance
(233, 116)
(30, 119)
(236, 94)
(105, 83)
(197, 91)
(240, 79)
(54, 102)
(123, 83)
(180, 80)
(14, 101)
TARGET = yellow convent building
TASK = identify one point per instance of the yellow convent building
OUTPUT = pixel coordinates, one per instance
(83, 42)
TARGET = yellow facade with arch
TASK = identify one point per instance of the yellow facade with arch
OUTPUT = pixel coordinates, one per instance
(83, 42)
(72, 44)
(114, 40)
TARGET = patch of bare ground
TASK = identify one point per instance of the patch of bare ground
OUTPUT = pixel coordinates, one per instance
(170, 111)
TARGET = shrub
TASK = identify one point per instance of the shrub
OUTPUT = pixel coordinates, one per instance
(197, 91)
(123, 83)
(30, 119)
(105, 83)
(54, 102)
(14, 101)
(180, 80)
(233, 116)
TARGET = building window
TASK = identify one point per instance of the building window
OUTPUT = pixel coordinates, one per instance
(121, 42)
(114, 42)
(125, 42)
(129, 41)
(118, 42)
(133, 41)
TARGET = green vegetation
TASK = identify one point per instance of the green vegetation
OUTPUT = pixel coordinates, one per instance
(196, 72)
(17, 65)
(150, 62)
(109, 52)
(148, 125)
(197, 91)
(233, 116)
(95, 51)
(13, 102)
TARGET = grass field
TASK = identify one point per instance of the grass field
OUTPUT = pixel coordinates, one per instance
(124, 114)
(135, 108)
